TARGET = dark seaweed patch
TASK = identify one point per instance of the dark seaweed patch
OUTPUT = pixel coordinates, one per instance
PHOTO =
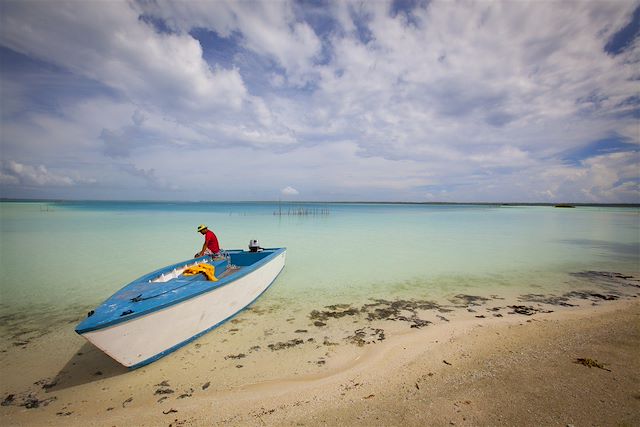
(607, 277)
(287, 344)
(32, 401)
(590, 363)
(379, 309)
(328, 343)
(409, 305)
(548, 299)
(8, 400)
(235, 356)
(366, 335)
(186, 394)
(392, 310)
(591, 296)
(468, 300)
(331, 313)
(527, 310)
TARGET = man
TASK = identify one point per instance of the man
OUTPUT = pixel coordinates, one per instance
(210, 246)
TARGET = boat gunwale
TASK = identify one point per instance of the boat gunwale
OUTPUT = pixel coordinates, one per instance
(151, 309)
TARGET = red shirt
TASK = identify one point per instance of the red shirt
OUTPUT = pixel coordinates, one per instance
(212, 242)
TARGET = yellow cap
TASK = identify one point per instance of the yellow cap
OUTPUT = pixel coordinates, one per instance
(201, 227)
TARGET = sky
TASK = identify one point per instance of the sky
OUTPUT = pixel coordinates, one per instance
(409, 101)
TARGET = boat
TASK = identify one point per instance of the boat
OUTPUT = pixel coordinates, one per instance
(164, 310)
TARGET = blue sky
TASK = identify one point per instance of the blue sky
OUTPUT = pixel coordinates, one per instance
(462, 101)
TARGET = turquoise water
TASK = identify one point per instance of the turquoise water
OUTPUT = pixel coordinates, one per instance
(67, 256)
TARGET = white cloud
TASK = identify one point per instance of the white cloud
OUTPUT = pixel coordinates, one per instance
(107, 41)
(469, 101)
(14, 173)
(267, 28)
(486, 73)
(289, 191)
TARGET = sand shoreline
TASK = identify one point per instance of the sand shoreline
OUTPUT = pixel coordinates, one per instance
(472, 371)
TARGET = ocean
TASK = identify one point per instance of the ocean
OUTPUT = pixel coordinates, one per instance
(60, 259)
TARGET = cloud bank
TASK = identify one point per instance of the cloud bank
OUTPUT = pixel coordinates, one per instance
(390, 101)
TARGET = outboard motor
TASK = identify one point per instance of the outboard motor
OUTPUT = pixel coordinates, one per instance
(254, 246)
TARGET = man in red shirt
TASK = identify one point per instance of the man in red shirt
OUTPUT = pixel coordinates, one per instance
(210, 246)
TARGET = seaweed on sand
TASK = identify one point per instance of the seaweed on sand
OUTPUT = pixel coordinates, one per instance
(548, 299)
(235, 356)
(32, 401)
(527, 310)
(468, 300)
(591, 296)
(287, 344)
(591, 363)
(8, 400)
(393, 310)
(333, 313)
(379, 309)
(366, 335)
(607, 277)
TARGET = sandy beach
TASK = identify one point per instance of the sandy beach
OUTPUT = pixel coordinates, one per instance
(482, 363)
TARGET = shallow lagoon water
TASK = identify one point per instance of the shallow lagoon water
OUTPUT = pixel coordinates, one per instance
(356, 275)
(62, 258)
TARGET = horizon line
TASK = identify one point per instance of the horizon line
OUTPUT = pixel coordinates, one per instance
(35, 200)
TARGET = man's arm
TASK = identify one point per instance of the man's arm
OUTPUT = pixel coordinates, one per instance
(204, 247)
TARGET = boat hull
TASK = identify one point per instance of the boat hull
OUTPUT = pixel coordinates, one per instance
(144, 339)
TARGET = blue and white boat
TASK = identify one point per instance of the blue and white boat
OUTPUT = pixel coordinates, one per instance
(166, 309)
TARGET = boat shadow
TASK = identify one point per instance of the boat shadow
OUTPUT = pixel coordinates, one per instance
(87, 365)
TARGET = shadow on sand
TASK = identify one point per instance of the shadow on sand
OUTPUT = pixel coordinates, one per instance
(87, 365)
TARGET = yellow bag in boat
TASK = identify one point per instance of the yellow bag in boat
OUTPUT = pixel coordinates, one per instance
(206, 269)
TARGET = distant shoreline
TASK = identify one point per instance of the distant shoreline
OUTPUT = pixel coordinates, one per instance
(291, 202)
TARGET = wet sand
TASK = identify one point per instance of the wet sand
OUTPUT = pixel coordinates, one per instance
(471, 360)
